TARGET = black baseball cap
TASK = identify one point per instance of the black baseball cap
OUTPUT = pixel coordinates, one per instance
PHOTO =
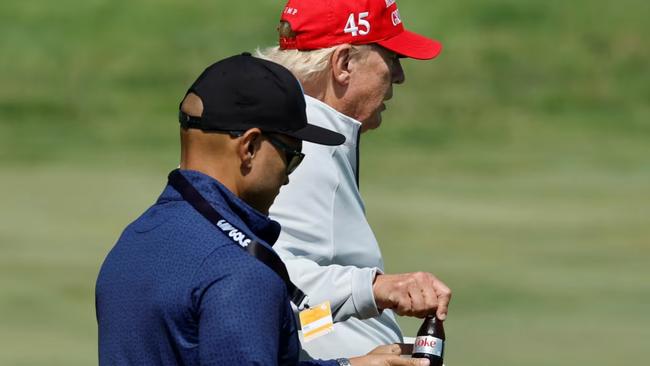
(243, 92)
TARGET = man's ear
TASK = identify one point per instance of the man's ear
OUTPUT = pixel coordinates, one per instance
(340, 61)
(249, 145)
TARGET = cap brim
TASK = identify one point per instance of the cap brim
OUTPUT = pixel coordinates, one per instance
(412, 45)
(317, 135)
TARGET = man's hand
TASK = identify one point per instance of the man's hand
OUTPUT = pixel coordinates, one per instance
(412, 294)
(387, 355)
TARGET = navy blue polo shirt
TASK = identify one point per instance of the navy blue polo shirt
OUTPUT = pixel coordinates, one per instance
(176, 290)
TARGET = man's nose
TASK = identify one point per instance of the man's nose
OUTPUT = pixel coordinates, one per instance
(398, 73)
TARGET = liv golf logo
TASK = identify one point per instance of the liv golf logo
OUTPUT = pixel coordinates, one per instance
(234, 234)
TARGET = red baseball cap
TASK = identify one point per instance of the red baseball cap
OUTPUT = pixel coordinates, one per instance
(317, 24)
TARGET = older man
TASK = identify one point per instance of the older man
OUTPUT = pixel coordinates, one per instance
(347, 55)
(194, 280)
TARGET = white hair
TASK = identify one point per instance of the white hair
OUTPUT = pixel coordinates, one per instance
(306, 65)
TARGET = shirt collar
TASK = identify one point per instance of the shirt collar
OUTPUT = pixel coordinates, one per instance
(231, 207)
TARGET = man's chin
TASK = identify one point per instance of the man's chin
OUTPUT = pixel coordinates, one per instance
(372, 123)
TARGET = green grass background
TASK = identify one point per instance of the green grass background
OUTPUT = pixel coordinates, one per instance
(516, 166)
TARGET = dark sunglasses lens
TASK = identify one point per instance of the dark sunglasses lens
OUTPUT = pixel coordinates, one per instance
(293, 162)
(293, 157)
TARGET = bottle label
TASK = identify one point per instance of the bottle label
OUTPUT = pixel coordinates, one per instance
(429, 345)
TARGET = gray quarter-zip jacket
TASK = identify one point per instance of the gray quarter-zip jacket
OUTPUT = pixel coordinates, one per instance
(327, 244)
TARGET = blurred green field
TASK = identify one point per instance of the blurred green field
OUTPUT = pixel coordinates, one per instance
(516, 166)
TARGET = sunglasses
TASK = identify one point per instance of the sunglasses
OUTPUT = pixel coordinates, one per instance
(293, 157)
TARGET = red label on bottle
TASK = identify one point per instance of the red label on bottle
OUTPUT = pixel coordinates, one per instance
(429, 345)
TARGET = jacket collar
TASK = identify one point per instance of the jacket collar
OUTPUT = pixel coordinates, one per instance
(232, 208)
(334, 120)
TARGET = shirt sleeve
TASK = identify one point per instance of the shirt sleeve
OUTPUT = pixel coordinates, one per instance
(240, 308)
(319, 363)
(305, 209)
(244, 314)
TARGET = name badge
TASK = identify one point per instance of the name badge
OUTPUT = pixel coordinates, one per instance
(316, 321)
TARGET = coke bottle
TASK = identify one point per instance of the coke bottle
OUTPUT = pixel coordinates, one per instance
(430, 341)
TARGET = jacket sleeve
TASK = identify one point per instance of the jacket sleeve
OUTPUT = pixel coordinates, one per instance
(305, 209)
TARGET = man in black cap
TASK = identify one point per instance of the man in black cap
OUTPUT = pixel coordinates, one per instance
(194, 280)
